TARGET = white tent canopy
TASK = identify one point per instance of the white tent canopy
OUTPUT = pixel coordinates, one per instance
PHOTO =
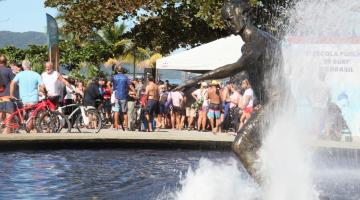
(205, 57)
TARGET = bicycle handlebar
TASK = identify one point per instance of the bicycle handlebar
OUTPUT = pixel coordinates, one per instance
(14, 99)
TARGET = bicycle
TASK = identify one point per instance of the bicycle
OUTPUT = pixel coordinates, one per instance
(55, 119)
(38, 115)
(105, 115)
(82, 117)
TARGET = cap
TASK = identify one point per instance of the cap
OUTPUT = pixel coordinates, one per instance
(214, 82)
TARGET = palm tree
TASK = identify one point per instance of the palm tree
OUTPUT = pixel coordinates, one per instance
(113, 37)
(150, 62)
(134, 55)
(123, 49)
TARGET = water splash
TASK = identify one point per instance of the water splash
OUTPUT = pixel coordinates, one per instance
(213, 180)
(286, 155)
(286, 163)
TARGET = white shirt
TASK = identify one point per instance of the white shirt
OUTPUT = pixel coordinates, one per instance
(51, 83)
(201, 95)
(69, 94)
(249, 92)
(176, 98)
(235, 96)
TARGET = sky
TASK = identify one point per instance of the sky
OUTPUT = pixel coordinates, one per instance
(30, 15)
(24, 15)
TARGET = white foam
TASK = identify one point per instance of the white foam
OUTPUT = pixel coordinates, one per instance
(213, 180)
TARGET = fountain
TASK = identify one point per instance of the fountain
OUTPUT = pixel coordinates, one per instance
(321, 58)
(314, 99)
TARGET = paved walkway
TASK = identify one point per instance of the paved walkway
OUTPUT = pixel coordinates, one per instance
(112, 134)
(163, 138)
(167, 138)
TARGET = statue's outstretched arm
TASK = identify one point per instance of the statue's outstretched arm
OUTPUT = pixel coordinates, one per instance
(248, 56)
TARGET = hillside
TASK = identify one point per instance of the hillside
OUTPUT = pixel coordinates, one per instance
(21, 40)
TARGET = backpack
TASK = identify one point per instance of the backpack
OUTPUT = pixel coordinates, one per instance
(168, 103)
(197, 104)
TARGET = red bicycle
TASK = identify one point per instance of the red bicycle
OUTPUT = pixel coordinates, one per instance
(42, 116)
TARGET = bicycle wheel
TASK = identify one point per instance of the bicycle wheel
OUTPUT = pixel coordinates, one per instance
(105, 121)
(39, 115)
(49, 122)
(64, 122)
(92, 123)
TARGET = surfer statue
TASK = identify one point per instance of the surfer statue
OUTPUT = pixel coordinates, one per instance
(261, 59)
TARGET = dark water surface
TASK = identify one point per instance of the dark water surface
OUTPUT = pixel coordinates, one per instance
(132, 174)
(95, 174)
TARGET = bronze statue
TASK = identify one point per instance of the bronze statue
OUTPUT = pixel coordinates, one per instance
(261, 59)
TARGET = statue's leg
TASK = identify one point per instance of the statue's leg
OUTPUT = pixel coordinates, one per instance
(248, 142)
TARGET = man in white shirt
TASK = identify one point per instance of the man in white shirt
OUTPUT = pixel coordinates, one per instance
(52, 81)
(177, 100)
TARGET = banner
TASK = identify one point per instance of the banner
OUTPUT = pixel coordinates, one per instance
(53, 40)
(339, 60)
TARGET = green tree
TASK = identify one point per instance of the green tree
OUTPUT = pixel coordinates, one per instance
(166, 24)
(175, 25)
(98, 13)
(36, 54)
(73, 53)
(151, 61)
(70, 54)
(94, 49)
(13, 54)
(122, 49)
(113, 37)
(133, 54)
(77, 75)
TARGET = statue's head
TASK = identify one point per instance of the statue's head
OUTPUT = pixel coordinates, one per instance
(234, 13)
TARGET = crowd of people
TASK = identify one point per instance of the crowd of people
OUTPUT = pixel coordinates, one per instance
(140, 104)
(213, 106)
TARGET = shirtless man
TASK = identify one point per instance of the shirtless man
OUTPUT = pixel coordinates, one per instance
(214, 106)
(152, 101)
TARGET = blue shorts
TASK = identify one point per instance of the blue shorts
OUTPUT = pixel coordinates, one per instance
(162, 108)
(151, 106)
(7, 106)
(120, 106)
(214, 114)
